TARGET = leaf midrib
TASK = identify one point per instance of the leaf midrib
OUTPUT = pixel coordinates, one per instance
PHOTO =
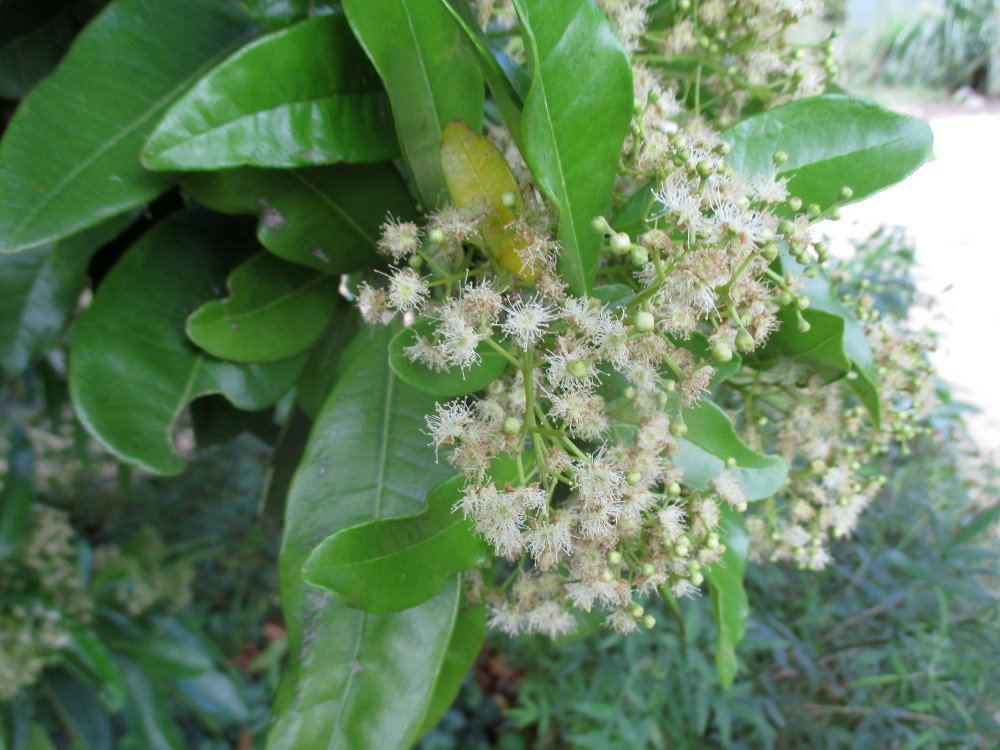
(148, 114)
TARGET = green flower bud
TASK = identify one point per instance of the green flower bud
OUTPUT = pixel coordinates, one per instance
(513, 425)
(607, 576)
(578, 368)
(677, 427)
(633, 477)
(644, 321)
(599, 225)
(614, 557)
(704, 168)
(802, 302)
(621, 243)
(786, 227)
(648, 569)
(795, 203)
(813, 209)
(744, 341)
(722, 352)
(845, 193)
(769, 251)
(639, 255)
(636, 610)
(697, 579)
(629, 392)
(508, 198)
(649, 622)
(779, 158)
(673, 488)
(435, 236)
(415, 261)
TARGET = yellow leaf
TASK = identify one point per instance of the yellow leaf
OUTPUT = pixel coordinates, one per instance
(479, 176)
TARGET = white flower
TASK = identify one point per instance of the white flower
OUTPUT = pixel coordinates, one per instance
(526, 321)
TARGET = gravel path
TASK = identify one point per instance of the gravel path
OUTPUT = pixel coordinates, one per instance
(951, 207)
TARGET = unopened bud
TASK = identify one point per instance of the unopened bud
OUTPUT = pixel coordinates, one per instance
(513, 425)
(621, 243)
(600, 226)
(644, 321)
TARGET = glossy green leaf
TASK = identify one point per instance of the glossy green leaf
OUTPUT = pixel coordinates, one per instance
(711, 440)
(442, 383)
(325, 363)
(276, 14)
(70, 156)
(832, 141)
(326, 218)
(730, 606)
(300, 96)
(215, 697)
(466, 642)
(823, 298)
(163, 654)
(275, 310)
(429, 74)
(354, 679)
(34, 35)
(132, 369)
(821, 348)
(79, 709)
(17, 493)
(90, 655)
(40, 289)
(147, 712)
(576, 115)
(392, 564)
(508, 81)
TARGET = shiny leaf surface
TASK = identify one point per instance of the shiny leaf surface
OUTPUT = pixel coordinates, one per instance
(575, 118)
(132, 369)
(70, 156)
(300, 96)
(356, 679)
(478, 175)
(276, 14)
(832, 141)
(730, 606)
(711, 440)
(442, 383)
(508, 82)
(326, 218)
(275, 310)
(429, 74)
(39, 290)
(392, 564)
(466, 641)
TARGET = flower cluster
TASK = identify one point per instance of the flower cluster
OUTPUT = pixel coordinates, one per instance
(574, 454)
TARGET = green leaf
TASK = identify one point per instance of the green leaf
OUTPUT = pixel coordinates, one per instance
(832, 141)
(463, 648)
(730, 606)
(275, 310)
(429, 74)
(70, 156)
(576, 115)
(215, 696)
(821, 348)
(979, 523)
(17, 493)
(300, 96)
(275, 14)
(326, 218)
(442, 383)
(35, 34)
(508, 81)
(38, 739)
(354, 679)
(823, 298)
(325, 361)
(90, 655)
(147, 712)
(40, 289)
(132, 369)
(392, 564)
(82, 714)
(710, 440)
